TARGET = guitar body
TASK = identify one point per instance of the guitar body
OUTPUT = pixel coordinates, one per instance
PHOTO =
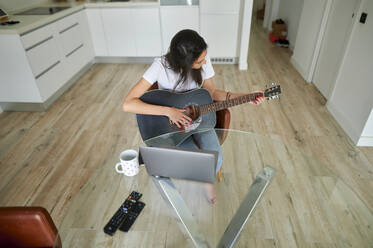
(155, 125)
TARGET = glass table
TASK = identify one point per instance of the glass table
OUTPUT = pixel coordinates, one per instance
(304, 205)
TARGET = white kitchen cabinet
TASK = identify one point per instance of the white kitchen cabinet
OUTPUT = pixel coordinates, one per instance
(51, 80)
(132, 32)
(119, 29)
(17, 80)
(219, 6)
(45, 59)
(97, 32)
(87, 37)
(221, 33)
(41, 61)
(76, 51)
(70, 34)
(41, 48)
(176, 18)
(147, 32)
(219, 26)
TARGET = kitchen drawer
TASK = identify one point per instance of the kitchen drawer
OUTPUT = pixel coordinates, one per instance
(71, 39)
(42, 56)
(70, 33)
(76, 60)
(68, 22)
(51, 80)
(38, 36)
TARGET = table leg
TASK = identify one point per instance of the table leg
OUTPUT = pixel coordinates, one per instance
(246, 208)
(172, 196)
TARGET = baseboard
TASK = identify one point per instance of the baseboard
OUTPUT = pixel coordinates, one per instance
(39, 107)
(22, 106)
(343, 122)
(365, 141)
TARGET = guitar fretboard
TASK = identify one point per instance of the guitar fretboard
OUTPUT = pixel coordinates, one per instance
(216, 106)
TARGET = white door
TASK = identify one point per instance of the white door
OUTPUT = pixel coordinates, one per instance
(338, 29)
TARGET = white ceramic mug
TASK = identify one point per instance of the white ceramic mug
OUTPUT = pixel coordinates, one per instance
(129, 163)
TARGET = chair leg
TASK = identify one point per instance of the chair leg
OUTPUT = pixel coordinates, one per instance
(220, 175)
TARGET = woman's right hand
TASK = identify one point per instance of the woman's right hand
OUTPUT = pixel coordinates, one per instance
(178, 117)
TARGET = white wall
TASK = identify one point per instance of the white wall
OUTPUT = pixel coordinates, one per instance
(368, 129)
(351, 101)
(366, 138)
(290, 11)
(246, 13)
(11, 5)
(307, 35)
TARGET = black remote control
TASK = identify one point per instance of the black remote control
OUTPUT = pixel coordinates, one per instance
(135, 195)
(121, 214)
(131, 216)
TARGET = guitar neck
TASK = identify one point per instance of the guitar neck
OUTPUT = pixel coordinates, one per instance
(216, 106)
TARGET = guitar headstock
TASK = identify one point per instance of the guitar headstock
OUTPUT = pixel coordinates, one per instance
(272, 92)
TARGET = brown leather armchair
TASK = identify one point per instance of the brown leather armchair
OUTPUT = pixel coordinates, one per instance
(223, 119)
(27, 227)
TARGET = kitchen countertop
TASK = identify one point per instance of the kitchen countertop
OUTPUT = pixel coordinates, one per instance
(31, 22)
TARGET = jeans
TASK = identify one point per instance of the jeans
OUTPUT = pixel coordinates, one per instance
(206, 141)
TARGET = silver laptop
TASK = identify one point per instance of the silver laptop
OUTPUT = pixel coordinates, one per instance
(198, 165)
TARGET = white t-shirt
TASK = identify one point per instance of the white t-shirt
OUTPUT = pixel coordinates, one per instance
(167, 78)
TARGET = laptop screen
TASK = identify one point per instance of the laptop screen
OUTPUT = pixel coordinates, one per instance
(197, 165)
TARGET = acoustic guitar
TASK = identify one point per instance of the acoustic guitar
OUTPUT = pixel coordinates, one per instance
(198, 105)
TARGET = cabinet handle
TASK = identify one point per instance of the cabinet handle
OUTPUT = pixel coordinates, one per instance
(39, 43)
(70, 27)
(46, 70)
(73, 51)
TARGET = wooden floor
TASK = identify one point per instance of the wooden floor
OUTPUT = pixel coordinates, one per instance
(47, 158)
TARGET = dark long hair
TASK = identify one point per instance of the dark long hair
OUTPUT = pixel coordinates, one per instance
(186, 46)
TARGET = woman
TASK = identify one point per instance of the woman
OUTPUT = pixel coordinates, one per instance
(186, 66)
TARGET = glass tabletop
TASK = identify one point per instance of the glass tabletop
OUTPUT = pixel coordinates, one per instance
(305, 204)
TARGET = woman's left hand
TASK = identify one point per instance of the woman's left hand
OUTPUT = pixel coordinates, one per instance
(259, 99)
